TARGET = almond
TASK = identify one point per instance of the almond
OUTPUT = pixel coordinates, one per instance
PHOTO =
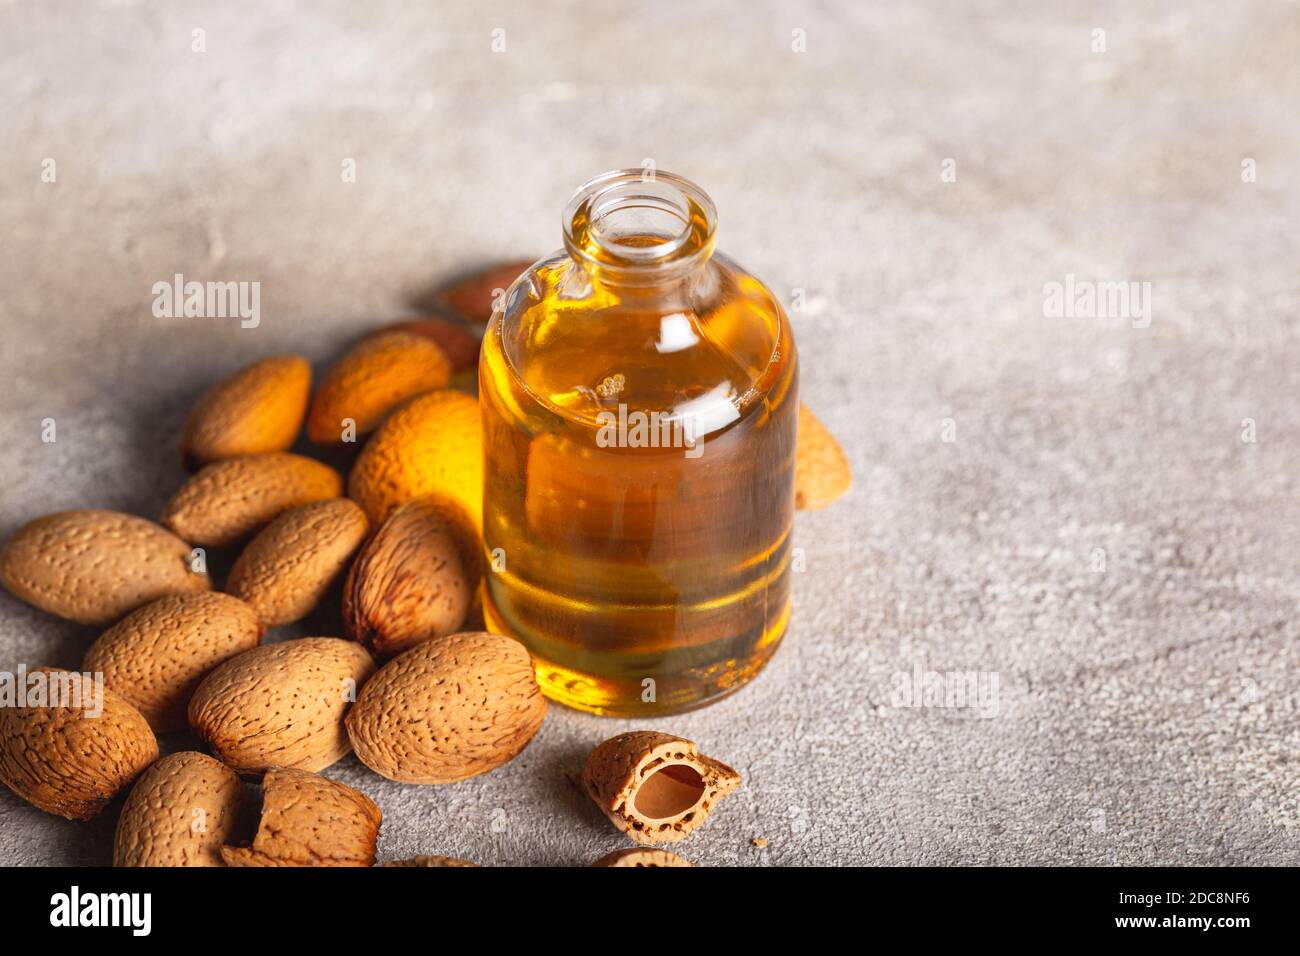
(655, 787)
(379, 374)
(286, 570)
(179, 813)
(474, 297)
(457, 342)
(310, 821)
(281, 705)
(448, 709)
(66, 748)
(430, 447)
(256, 410)
(430, 861)
(155, 657)
(821, 472)
(228, 501)
(414, 580)
(94, 566)
(641, 856)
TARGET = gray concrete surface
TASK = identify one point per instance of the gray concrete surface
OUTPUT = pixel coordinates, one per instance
(1147, 713)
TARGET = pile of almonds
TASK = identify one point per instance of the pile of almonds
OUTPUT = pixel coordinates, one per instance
(414, 694)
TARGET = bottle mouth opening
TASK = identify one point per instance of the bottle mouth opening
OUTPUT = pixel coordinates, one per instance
(640, 226)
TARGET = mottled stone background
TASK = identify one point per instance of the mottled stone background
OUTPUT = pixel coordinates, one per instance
(1147, 713)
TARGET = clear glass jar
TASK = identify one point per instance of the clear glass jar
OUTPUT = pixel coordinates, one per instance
(639, 396)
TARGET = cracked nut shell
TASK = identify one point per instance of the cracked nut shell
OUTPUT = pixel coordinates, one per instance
(94, 566)
(655, 787)
(155, 657)
(641, 856)
(281, 705)
(310, 821)
(179, 813)
(70, 760)
(448, 709)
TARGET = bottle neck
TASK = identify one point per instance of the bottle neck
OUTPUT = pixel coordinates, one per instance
(639, 229)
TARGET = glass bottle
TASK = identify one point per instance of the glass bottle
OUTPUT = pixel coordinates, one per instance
(639, 397)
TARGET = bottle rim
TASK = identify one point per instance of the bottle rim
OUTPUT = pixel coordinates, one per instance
(640, 226)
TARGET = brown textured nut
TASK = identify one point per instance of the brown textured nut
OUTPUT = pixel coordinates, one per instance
(229, 500)
(448, 709)
(258, 409)
(94, 566)
(375, 377)
(473, 297)
(430, 861)
(156, 655)
(281, 705)
(287, 569)
(310, 821)
(655, 787)
(821, 472)
(456, 341)
(641, 856)
(432, 446)
(179, 813)
(71, 759)
(414, 580)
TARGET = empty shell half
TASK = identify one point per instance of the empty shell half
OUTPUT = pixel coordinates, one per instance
(655, 787)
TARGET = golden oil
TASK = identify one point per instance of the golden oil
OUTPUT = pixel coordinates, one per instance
(639, 397)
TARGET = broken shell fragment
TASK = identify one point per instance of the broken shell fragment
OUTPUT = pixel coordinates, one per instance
(641, 856)
(308, 820)
(655, 787)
